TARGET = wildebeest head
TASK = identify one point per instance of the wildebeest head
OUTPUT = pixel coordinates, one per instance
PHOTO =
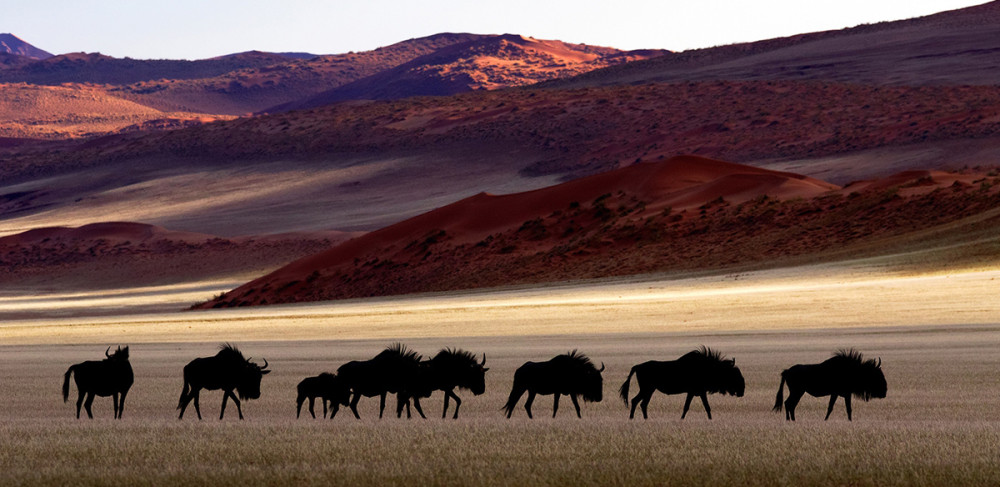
(732, 379)
(338, 390)
(120, 353)
(872, 380)
(467, 371)
(589, 381)
(248, 384)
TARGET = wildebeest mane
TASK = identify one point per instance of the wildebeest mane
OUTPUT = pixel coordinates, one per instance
(399, 351)
(230, 352)
(853, 356)
(575, 358)
(706, 353)
(455, 356)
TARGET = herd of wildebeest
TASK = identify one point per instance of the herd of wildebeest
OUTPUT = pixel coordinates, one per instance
(403, 372)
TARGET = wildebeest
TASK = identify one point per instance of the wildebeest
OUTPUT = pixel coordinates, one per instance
(109, 377)
(845, 374)
(389, 371)
(227, 370)
(696, 373)
(572, 374)
(327, 387)
(444, 372)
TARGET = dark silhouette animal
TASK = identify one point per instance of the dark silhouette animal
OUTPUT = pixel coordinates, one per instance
(109, 377)
(571, 374)
(391, 371)
(227, 370)
(444, 372)
(696, 373)
(326, 386)
(845, 374)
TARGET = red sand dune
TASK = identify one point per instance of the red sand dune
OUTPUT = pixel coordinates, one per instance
(680, 183)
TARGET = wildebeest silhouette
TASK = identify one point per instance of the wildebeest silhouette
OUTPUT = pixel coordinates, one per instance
(444, 372)
(109, 377)
(572, 374)
(845, 374)
(227, 370)
(327, 387)
(696, 373)
(390, 371)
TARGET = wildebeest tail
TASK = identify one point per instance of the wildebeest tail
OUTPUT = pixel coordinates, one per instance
(66, 383)
(184, 393)
(623, 390)
(781, 393)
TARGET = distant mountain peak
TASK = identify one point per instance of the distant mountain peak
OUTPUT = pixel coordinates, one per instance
(11, 44)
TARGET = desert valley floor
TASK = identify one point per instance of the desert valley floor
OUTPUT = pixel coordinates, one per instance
(937, 335)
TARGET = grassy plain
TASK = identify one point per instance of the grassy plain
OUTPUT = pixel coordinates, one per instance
(937, 426)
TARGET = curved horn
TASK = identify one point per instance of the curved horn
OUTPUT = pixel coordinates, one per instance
(483, 364)
(879, 362)
(106, 354)
(265, 364)
(602, 367)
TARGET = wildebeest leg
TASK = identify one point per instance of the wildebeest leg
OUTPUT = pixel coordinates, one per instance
(79, 402)
(416, 405)
(444, 412)
(87, 403)
(239, 408)
(225, 398)
(354, 404)
(381, 405)
(527, 403)
(336, 407)
(576, 404)
(197, 403)
(793, 400)
(644, 404)
(833, 399)
(312, 412)
(458, 402)
(704, 401)
(324, 406)
(121, 403)
(114, 403)
(847, 402)
(298, 405)
(400, 404)
(236, 401)
(555, 405)
(687, 404)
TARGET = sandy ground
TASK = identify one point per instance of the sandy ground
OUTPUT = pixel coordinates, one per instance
(832, 296)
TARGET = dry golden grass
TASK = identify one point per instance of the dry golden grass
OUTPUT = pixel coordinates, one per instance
(936, 427)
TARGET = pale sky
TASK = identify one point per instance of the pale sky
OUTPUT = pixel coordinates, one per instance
(197, 29)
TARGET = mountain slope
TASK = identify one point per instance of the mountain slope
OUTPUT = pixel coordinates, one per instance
(954, 47)
(11, 44)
